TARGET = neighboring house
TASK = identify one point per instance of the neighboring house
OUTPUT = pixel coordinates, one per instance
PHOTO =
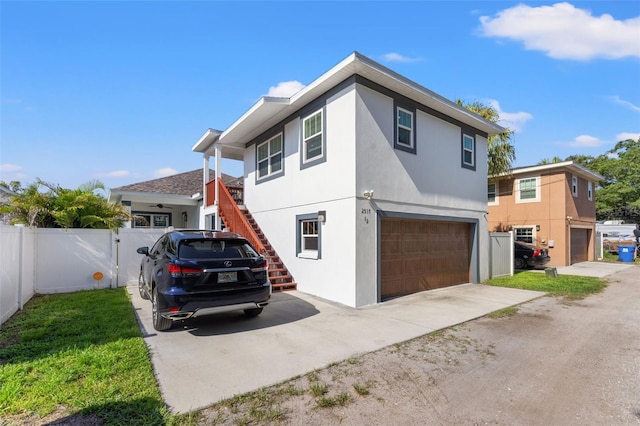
(5, 198)
(169, 201)
(551, 206)
(367, 185)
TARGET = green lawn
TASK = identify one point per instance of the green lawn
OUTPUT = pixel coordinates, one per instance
(569, 286)
(81, 353)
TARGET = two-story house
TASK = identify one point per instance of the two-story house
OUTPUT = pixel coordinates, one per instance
(366, 184)
(551, 206)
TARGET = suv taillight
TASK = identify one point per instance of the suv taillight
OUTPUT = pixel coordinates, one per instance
(181, 271)
(536, 253)
(261, 267)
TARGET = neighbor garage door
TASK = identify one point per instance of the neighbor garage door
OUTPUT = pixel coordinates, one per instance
(422, 255)
(579, 245)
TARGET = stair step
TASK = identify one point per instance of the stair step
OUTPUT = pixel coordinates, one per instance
(284, 286)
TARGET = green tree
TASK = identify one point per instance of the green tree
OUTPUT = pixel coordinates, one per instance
(618, 194)
(45, 205)
(501, 153)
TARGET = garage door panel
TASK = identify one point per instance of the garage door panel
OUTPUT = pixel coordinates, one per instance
(418, 255)
(579, 245)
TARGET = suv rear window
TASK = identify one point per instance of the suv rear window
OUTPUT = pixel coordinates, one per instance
(215, 249)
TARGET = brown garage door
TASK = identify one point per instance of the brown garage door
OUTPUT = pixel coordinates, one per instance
(422, 255)
(579, 245)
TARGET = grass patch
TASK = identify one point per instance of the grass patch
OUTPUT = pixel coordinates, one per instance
(504, 313)
(82, 351)
(569, 286)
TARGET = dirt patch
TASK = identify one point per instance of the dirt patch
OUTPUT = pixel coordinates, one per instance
(552, 362)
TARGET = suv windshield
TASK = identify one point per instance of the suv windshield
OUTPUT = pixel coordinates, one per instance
(215, 249)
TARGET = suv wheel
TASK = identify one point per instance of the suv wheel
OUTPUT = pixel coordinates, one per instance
(141, 289)
(252, 313)
(159, 323)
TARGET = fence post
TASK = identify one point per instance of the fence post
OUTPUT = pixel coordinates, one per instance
(20, 264)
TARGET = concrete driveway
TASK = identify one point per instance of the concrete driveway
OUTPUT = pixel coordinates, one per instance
(205, 360)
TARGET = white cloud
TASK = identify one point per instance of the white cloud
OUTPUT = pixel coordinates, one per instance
(118, 173)
(6, 167)
(285, 89)
(566, 32)
(585, 141)
(167, 171)
(626, 135)
(511, 120)
(628, 104)
(397, 57)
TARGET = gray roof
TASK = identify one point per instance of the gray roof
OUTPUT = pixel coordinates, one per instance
(187, 183)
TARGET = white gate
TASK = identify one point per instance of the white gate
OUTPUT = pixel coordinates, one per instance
(502, 251)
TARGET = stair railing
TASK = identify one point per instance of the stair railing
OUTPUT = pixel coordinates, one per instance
(235, 220)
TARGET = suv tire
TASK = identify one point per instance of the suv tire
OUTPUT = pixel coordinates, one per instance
(159, 323)
(252, 313)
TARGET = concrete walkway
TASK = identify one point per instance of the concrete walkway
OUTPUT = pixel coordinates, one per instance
(205, 360)
(594, 269)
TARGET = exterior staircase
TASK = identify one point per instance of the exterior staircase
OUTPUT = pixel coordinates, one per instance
(242, 222)
(278, 273)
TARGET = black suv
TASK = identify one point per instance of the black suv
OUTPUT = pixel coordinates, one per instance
(191, 273)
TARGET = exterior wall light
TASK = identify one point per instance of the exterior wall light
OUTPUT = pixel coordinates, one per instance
(368, 194)
(322, 216)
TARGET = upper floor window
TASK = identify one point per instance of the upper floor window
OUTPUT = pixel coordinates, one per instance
(590, 190)
(574, 185)
(405, 135)
(468, 152)
(492, 193)
(270, 157)
(313, 137)
(527, 190)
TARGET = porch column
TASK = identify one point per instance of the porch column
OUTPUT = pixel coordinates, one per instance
(218, 154)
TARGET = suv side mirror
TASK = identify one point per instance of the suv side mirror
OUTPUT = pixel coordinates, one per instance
(143, 250)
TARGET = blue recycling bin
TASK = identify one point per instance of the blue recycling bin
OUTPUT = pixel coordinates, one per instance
(625, 253)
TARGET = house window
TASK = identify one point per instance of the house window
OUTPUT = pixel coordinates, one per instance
(590, 191)
(468, 152)
(313, 138)
(574, 185)
(524, 234)
(527, 190)
(270, 157)
(308, 236)
(150, 220)
(405, 134)
(492, 193)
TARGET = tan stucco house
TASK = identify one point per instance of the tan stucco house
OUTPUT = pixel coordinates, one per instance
(551, 206)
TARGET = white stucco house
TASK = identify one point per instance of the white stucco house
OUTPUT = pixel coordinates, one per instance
(367, 185)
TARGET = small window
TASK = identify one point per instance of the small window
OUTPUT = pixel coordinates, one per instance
(468, 152)
(308, 236)
(150, 220)
(492, 193)
(405, 135)
(528, 190)
(312, 137)
(590, 190)
(574, 185)
(524, 235)
(269, 157)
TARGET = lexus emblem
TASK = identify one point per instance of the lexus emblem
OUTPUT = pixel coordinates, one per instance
(227, 263)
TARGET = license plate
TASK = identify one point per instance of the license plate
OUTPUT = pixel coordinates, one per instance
(227, 277)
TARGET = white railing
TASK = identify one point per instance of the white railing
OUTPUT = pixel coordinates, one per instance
(43, 260)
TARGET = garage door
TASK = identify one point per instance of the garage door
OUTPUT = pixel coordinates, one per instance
(419, 255)
(579, 245)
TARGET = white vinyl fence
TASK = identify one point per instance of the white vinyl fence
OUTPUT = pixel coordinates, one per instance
(43, 260)
(502, 252)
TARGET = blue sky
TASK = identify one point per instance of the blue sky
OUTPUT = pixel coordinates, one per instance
(120, 91)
